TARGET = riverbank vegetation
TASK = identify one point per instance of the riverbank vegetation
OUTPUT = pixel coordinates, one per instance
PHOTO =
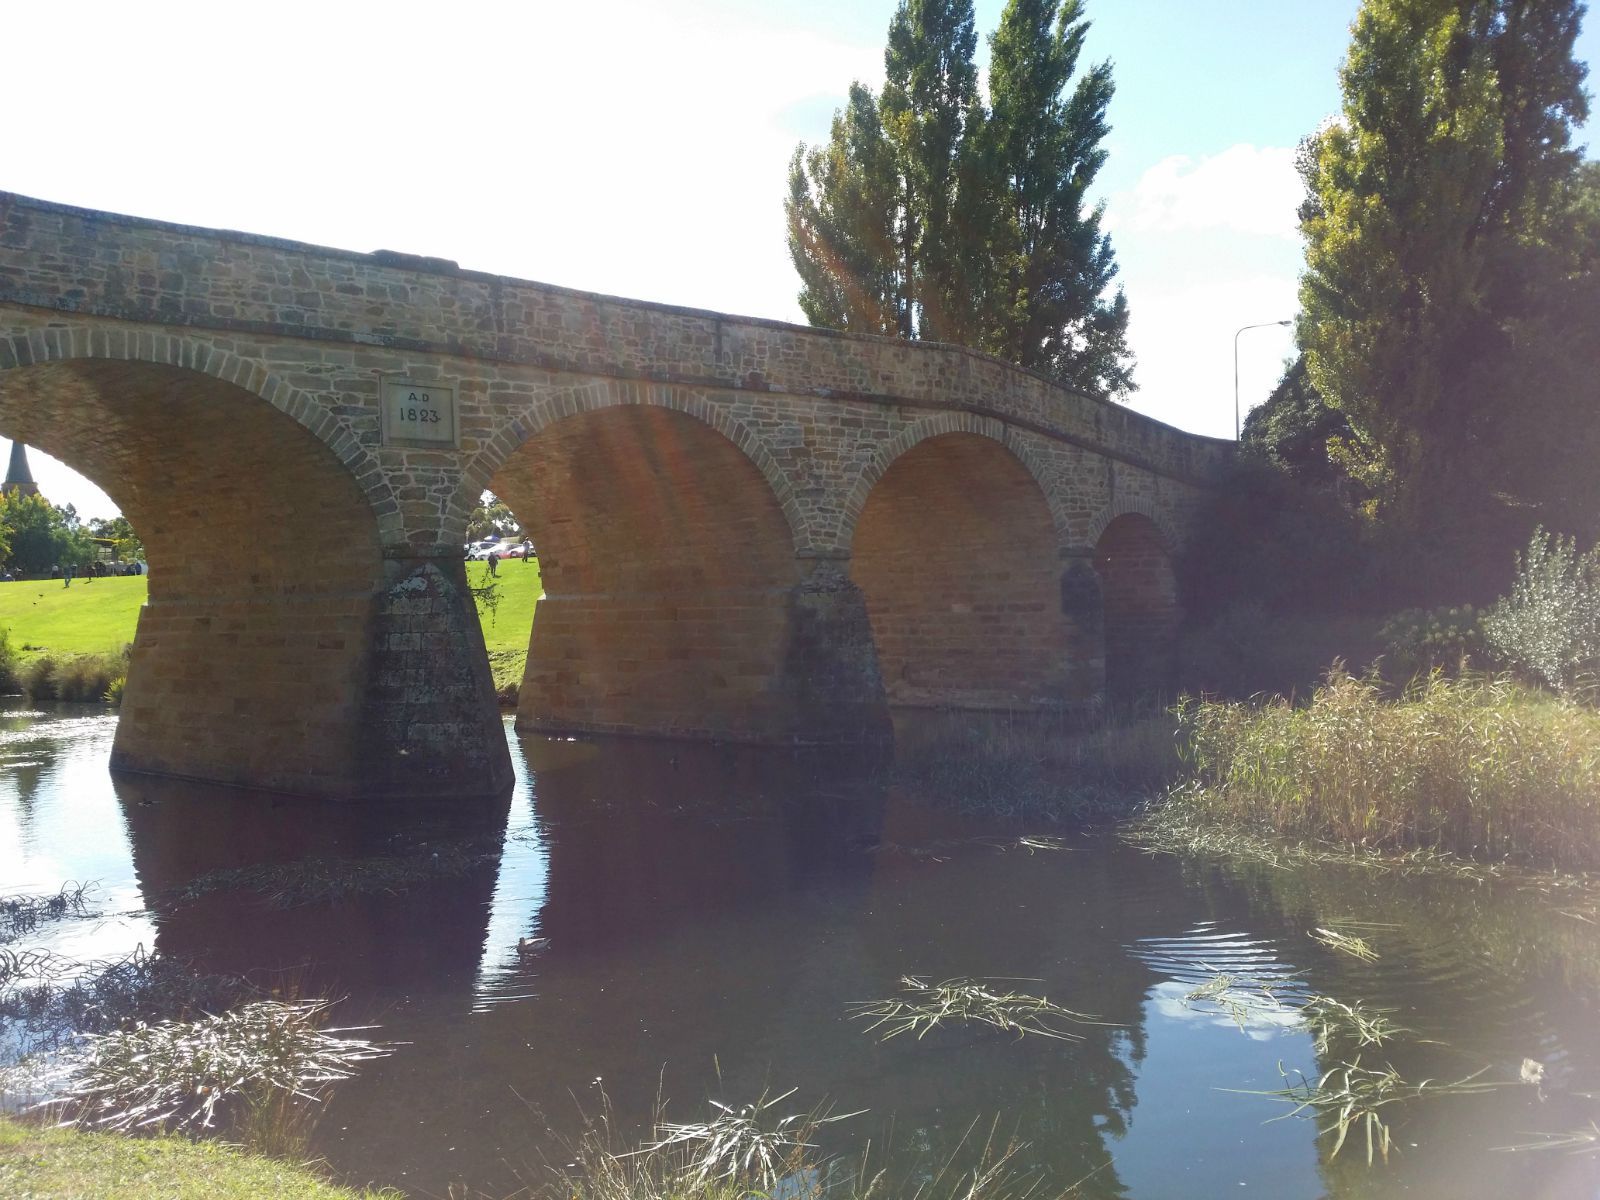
(41, 1161)
(1479, 766)
(762, 1149)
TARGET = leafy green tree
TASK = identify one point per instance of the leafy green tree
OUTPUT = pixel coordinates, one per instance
(1293, 429)
(42, 536)
(1053, 264)
(1434, 223)
(491, 517)
(929, 214)
(119, 530)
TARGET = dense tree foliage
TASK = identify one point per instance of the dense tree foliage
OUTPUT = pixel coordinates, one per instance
(1294, 428)
(491, 517)
(1450, 296)
(125, 542)
(41, 536)
(929, 214)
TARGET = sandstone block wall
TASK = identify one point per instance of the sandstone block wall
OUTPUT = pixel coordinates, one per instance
(723, 501)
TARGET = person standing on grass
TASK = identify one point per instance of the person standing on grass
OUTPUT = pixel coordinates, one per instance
(66, 574)
(527, 550)
(494, 562)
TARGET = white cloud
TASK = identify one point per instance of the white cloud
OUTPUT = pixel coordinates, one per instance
(1245, 189)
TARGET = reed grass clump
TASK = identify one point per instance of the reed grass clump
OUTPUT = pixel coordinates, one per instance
(76, 678)
(47, 1000)
(186, 1075)
(1478, 766)
(755, 1150)
(10, 666)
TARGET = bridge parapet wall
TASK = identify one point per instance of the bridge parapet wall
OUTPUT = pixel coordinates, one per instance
(78, 260)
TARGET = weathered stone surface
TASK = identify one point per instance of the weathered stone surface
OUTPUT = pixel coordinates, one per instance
(683, 473)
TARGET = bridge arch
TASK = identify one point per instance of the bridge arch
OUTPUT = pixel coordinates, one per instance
(671, 580)
(1133, 549)
(544, 406)
(75, 342)
(938, 426)
(1134, 505)
(955, 548)
(251, 657)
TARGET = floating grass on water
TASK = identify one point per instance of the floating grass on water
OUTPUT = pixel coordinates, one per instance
(1350, 1096)
(1173, 829)
(1240, 999)
(1031, 842)
(330, 880)
(1333, 1021)
(923, 1008)
(180, 1074)
(1345, 943)
(21, 915)
(51, 998)
(1577, 1141)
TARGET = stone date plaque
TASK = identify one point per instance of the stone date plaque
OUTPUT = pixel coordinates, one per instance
(418, 414)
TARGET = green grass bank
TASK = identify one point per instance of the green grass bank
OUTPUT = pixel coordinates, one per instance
(65, 1164)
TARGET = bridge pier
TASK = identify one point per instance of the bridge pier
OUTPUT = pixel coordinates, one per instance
(431, 725)
(342, 694)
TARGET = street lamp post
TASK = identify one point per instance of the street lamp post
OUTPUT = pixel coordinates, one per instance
(1237, 427)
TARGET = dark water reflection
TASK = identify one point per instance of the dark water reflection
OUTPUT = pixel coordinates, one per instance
(705, 916)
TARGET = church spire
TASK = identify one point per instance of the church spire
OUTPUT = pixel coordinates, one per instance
(18, 477)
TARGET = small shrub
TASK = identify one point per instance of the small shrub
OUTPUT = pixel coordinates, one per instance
(10, 667)
(1418, 641)
(1548, 628)
(39, 679)
(78, 679)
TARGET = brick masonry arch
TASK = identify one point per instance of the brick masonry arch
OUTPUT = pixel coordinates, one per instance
(955, 551)
(546, 406)
(1133, 561)
(80, 341)
(938, 426)
(1132, 505)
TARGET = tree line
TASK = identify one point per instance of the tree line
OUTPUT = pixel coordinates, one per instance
(1443, 400)
(930, 213)
(36, 535)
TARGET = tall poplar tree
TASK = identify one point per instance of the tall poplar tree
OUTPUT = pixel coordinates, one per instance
(1436, 223)
(930, 214)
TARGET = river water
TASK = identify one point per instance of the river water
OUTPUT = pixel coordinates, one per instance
(702, 918)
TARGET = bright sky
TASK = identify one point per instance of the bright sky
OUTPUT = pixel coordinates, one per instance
(640, 147)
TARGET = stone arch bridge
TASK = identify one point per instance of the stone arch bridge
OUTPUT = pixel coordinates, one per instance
(747, 530)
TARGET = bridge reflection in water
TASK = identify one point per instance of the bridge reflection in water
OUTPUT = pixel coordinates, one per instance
(702, 917)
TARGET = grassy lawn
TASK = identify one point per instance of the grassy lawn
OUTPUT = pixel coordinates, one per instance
(67, 1165)
(506, 630)
(86, 618)
(92, 618)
